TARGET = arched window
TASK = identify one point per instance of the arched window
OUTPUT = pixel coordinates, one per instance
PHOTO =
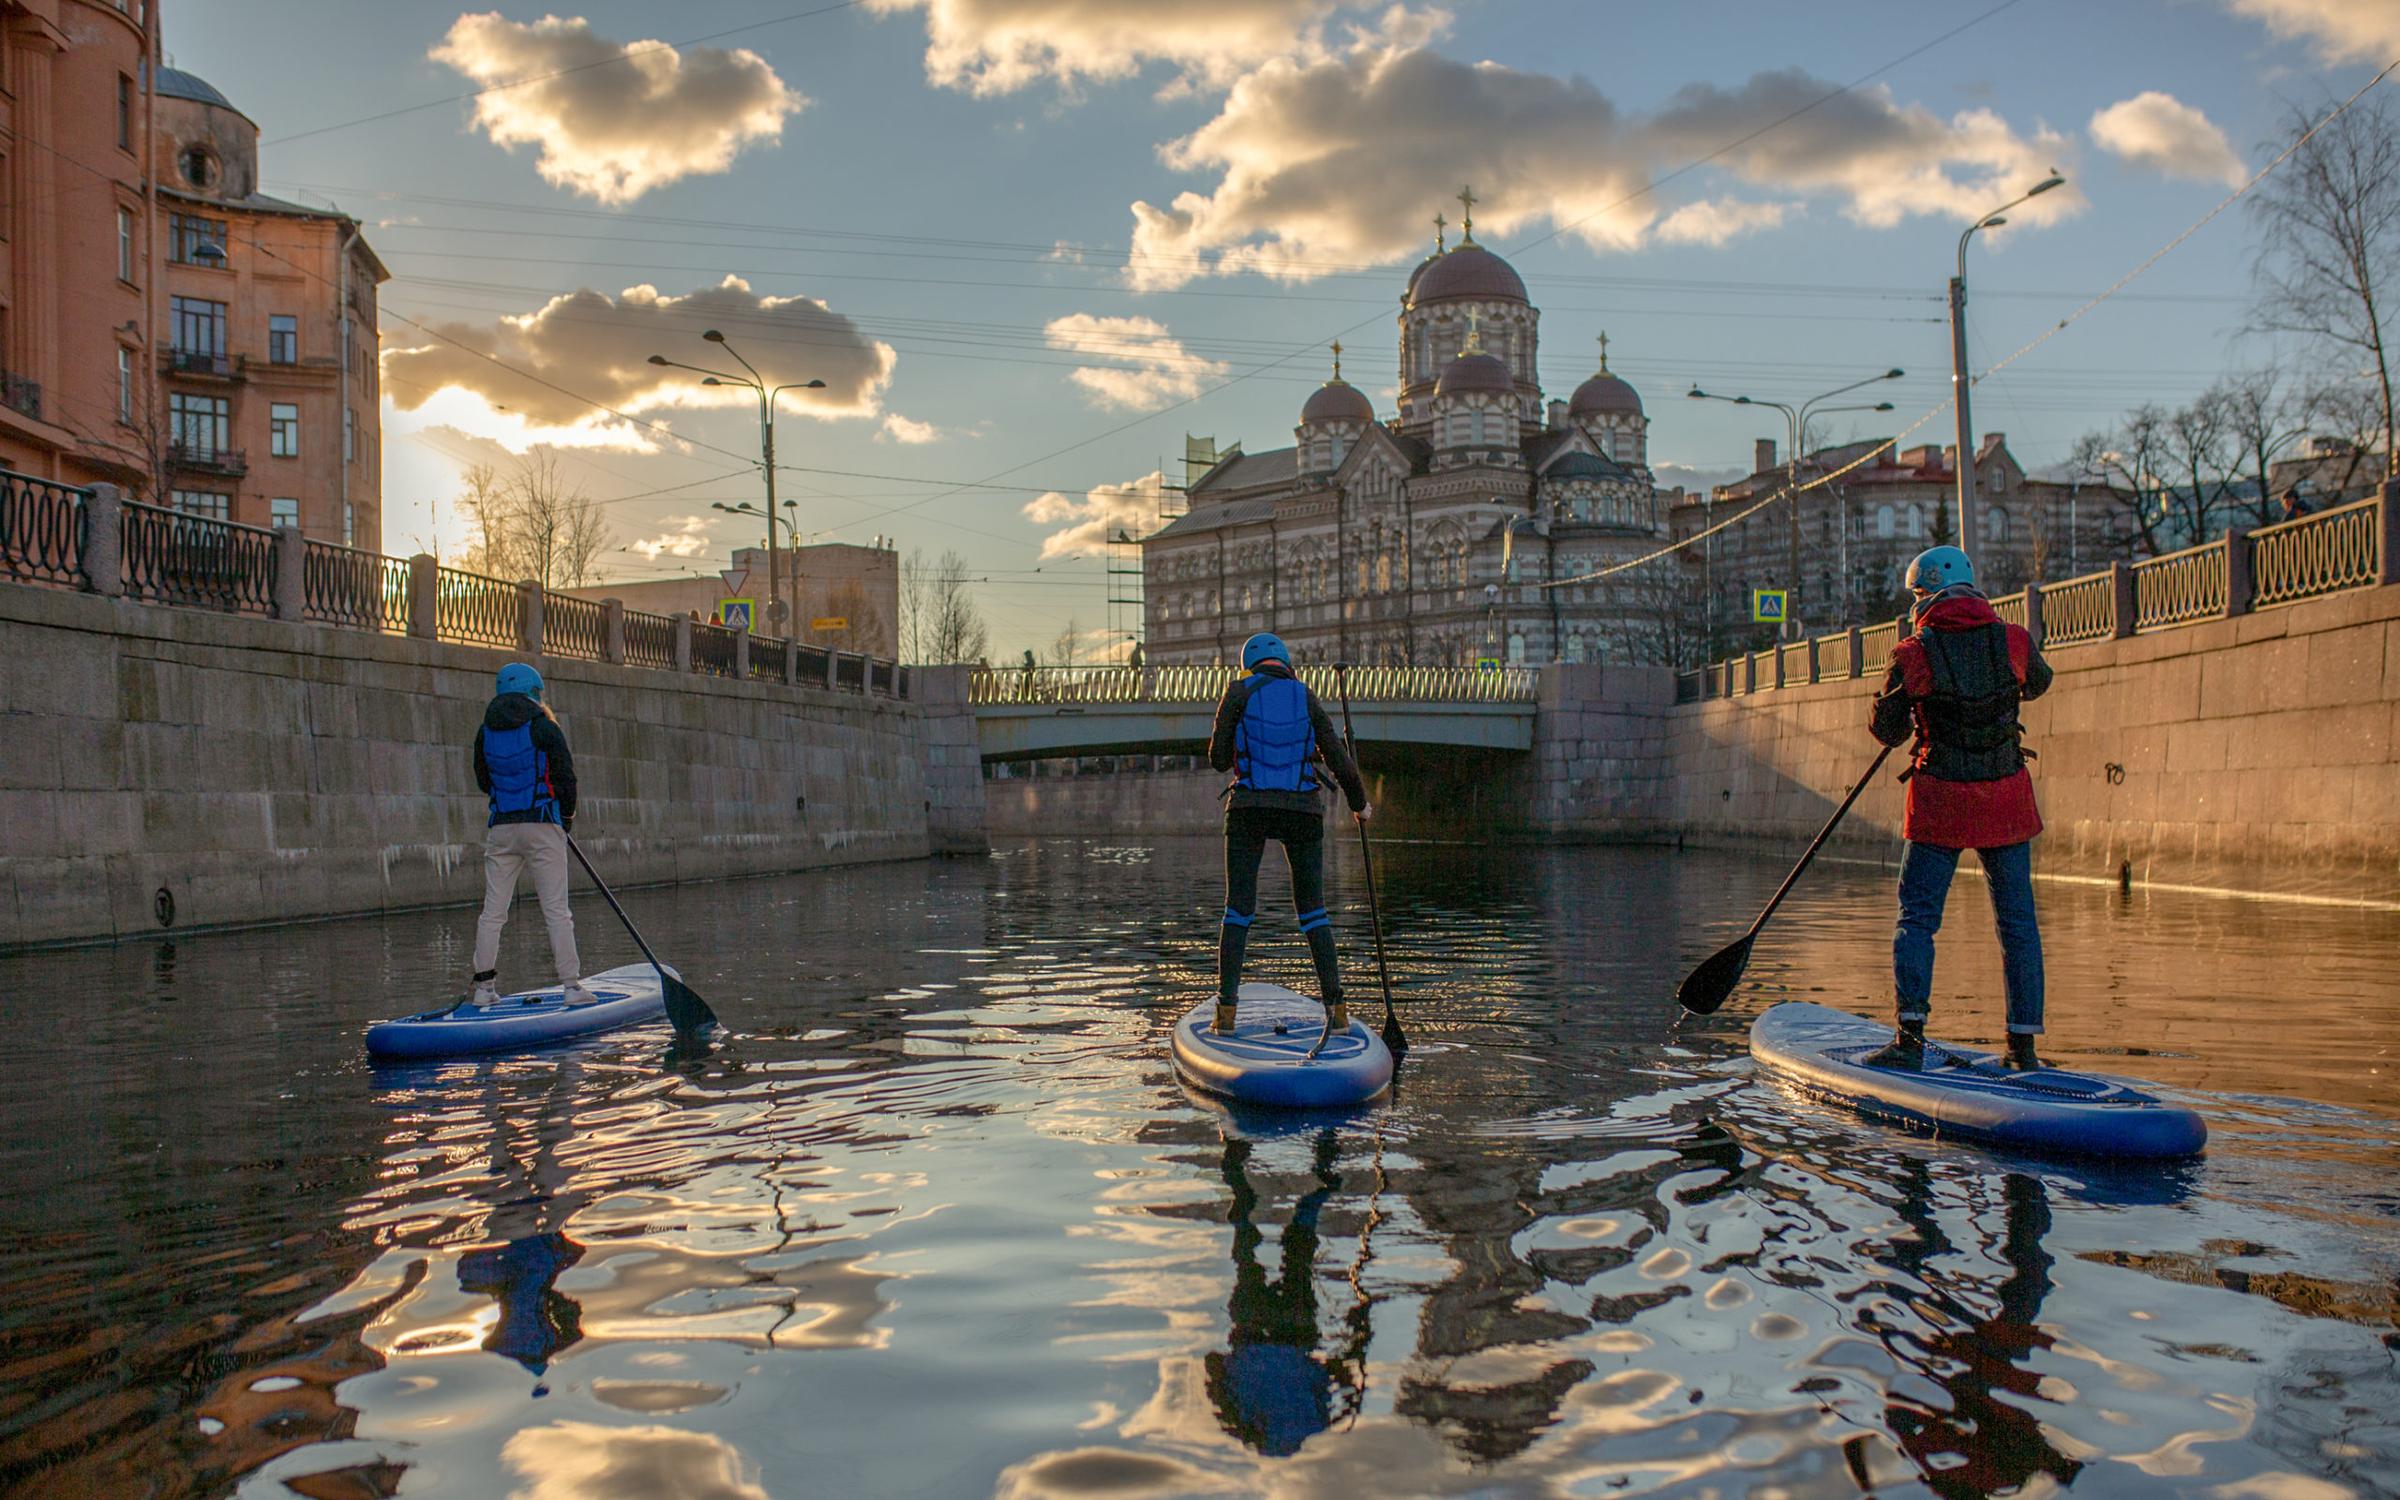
(1516, 650)
(1995, 524)
(1383, 572)
(1884, 527)
(1916, 522)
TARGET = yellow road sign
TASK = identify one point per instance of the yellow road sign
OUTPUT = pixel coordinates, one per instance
(830, 622)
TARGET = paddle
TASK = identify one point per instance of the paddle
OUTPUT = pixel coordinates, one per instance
(1392, 1035)
(686, 1011)
(1707, 986)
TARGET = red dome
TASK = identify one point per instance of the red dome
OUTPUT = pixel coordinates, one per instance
(1602, 394)
(1468, 272)
(1337, 401)
(1476, 372)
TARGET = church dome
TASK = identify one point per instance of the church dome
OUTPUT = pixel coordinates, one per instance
(1470, 271)
(1602, 395)
(1476, 371)
(1337, 400)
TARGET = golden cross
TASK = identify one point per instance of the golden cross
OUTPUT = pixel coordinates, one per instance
(1337, 359)
(1474, 336)
(1466, 225)
(1604, 351)
(1439, 224)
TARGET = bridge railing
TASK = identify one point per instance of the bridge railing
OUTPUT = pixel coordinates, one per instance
(1017, 686)
(2346, 547)
(95, 539)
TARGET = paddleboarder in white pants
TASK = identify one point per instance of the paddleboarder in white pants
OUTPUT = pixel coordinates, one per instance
(523, 765)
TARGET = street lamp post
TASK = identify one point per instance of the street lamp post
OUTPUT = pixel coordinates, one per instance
(767, 396)
(1958, 353)
(1796, 427)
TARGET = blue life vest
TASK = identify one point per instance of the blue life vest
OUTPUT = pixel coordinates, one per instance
(1275, 745)
(520, 774)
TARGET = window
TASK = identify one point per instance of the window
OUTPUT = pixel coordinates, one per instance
(202, 503)
(283, 429)
(199, 166)
(1916, 522)
(283, 513)
(283, 339)
(1885, 522)
(124, 384)
(193, 240)
(1516, 650)
(199, 426)
(198, 325)
(1995, 524)
(124, 244)
(124, 113)
(349, 436)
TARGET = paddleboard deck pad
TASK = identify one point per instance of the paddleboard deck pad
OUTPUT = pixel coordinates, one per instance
(622, 997)
(1264, 1059)
(1968, 1095)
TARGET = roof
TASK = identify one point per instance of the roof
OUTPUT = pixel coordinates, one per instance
(1581, 465)
(1604, 392)
(1477, 371)
(1337, 400)
(174, 83)
(1210, 517)
(1468, 271)
(1248, 470)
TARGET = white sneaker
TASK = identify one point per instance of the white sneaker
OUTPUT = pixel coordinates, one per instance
(486, 993)
(576, 994)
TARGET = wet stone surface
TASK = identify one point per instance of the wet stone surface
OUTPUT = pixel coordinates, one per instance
(936, 1219)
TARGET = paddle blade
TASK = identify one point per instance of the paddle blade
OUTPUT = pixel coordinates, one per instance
(1708, 986)
(686, 1011)
(1393, 1038)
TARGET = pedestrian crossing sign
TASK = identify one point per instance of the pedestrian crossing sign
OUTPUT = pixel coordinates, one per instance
(737, 614)
(1487, 663)
(1767, 606)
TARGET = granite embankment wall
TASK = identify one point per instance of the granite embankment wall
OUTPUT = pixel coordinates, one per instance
(2259, 753)
(233, 770)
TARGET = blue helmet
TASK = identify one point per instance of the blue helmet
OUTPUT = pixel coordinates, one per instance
(1938, 568)
(517, 677)
(1264, 646)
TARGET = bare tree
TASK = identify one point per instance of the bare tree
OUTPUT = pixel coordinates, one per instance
(2262, 421)
(533, 523)
(862, 624)
(939, 623)
(1068, 646)
(2343, 418)
(2329, 240)
(2132, 462)
(2203, 461)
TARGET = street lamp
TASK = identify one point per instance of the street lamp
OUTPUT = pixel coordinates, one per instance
(766, 440)
(1958, 352)
(1796, 426)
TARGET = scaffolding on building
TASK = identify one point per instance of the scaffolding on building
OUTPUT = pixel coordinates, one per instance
(1126, 599)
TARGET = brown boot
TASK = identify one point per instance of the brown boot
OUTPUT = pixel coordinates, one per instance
(2021, 1056)
(1337, 1018)
(1223, 1026)
(1905, 1053)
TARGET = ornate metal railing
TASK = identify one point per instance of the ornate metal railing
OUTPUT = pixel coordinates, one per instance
(470, 607)
(1833, 655)
(41, 529)
(344, 586)
(2010, 608)
(574, 627)
(712, 650)
(1207, 683)
(171, 558)
(1875, 643)
(2180, 587)
(1793, 657)
(649, 639)
(2319, 554)
(2079, 610)
(766, 658)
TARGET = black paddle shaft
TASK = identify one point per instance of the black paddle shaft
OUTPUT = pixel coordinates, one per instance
(685, 1009)
(1366, 855)
(1818, 842)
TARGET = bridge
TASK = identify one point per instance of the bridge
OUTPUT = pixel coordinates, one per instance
(1035, 714)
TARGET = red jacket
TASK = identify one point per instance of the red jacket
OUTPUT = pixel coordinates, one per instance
(1958, 814)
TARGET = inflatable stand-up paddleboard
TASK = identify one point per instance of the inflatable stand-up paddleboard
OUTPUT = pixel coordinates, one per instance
(1265, 1060)
(621, 997)
(1968, 1095)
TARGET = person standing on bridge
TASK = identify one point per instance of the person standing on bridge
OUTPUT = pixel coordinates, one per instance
(1272, 733)
(523, 765)
(1954, 687)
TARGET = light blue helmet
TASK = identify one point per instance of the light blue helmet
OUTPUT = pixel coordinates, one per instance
(1264, 646)
(517, 677)
(1938, 568)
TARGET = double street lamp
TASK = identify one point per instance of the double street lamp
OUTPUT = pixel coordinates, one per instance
(767, 396)
(1958, 352)
(1796, 427)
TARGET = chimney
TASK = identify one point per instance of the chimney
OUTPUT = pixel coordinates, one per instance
(1993, 440)
(1950, 456)
(1764, 458)
(1558, 416)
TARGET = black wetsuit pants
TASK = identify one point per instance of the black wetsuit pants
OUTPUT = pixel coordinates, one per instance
(1302, 835)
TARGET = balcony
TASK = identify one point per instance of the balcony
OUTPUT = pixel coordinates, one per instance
(209, 459)
(21, 395)
(206, 364)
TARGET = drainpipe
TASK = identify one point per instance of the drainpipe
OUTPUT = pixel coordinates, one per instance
(1408, 574)
(1222, 601)
(341, 313)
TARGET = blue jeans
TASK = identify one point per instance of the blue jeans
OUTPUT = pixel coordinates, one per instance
(1925, 873)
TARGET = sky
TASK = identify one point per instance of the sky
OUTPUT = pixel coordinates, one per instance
(1029, 245)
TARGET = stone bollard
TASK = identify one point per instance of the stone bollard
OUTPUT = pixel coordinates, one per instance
(833, 666)
(741, 653)
(424, 585)
(2122, 605)
(683, 643)
(1778, 675)
(529, 617)
(1749, 673)
(291, 574)
(1858, 652)
(2387, 532)
(1816, 665)
(791, 660)
(2033, 613)
(104, 541)
(2239, 590)
(612, 631)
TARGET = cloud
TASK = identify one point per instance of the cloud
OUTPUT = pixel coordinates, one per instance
(1151, 366)
(1713, 221)
(598, 347)
(1104, 511)
(1322, 165)
(685, 536)
(2170, 137)
(614, 120)
(2343, 30)
(998, 46)
(578, 1460)
(899, 429)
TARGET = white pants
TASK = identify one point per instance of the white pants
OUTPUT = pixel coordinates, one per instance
(507, 849)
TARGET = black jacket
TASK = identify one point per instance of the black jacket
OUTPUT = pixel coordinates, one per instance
(1330, 749)
(509, 711)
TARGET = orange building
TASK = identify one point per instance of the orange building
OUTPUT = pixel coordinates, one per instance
(165, 326)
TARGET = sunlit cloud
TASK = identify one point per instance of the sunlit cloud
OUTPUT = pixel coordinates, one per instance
(1148, 366)
(2170, 137)
(2341, 30)
(614, 120)
(1088, 525)
(899, 429)
(1716, 221)
(582, 1460)
(685, 536)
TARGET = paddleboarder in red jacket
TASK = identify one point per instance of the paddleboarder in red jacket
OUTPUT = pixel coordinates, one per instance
(1954, 687)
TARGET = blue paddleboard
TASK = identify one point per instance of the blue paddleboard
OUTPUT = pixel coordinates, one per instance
(1968, 1095)
(1265, 1060)
(622, 997)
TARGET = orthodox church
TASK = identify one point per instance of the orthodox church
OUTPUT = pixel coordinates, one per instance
(1423, 538)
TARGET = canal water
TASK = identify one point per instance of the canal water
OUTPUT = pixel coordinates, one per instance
(935, 1219)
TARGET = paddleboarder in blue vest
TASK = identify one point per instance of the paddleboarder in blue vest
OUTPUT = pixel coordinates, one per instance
(1954, 687)
(1272, 733)
(522, 763)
